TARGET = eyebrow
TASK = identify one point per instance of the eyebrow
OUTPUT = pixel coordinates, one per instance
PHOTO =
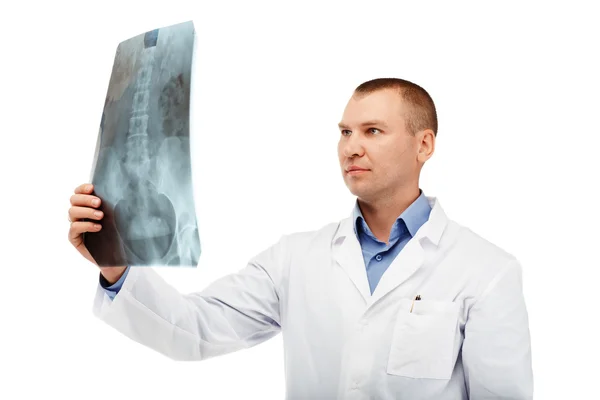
(367, 123)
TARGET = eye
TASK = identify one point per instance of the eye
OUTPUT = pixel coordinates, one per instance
(374, 129)
(345, 130)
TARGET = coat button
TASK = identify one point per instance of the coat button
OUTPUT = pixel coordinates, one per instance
(378, 257)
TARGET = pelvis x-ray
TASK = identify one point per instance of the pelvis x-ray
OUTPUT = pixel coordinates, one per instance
(142, 168)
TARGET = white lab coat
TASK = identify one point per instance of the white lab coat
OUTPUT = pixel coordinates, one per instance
(468, 336)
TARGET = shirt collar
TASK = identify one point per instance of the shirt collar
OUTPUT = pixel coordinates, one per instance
(413, 217)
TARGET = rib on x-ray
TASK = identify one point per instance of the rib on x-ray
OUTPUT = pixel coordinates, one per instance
(142, 170)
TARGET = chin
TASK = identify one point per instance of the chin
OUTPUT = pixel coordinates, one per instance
(358, 190)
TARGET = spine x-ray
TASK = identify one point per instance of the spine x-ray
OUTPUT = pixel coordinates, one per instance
(141, 169)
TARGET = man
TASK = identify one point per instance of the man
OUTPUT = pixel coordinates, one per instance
(396, 301)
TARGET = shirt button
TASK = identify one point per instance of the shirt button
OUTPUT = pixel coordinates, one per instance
(378, 257)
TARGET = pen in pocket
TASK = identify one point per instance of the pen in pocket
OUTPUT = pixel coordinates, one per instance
(413, 303)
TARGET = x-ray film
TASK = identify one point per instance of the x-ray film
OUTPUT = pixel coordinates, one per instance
(142, 165)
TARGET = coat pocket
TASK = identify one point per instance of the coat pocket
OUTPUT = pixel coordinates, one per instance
(423, 341)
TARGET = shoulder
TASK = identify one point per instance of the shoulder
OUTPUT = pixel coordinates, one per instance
(318, 236)
(293, 248)
(474, 244)
(480, 261)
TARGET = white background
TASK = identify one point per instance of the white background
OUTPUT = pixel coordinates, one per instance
(516, 87)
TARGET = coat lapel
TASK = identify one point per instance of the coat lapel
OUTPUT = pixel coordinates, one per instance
(406, 263)
(412, 257)
(348, 254)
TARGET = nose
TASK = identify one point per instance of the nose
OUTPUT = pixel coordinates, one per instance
(352, 146)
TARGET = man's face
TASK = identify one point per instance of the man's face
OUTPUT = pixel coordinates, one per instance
(373, 137)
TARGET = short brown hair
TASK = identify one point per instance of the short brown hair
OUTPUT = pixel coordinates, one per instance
(421, 109)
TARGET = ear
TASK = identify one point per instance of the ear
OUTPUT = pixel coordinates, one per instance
(426, 144)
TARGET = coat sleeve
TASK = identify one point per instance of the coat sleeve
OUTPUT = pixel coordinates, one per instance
(497, 347)
(234, 312)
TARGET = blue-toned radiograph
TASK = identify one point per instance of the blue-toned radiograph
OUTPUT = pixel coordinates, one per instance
(142, 170)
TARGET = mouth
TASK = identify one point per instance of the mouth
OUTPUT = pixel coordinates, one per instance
(356, 171)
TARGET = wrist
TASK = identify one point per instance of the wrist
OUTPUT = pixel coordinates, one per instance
(112, 274)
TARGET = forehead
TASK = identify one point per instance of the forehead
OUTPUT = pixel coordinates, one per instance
(383, 105)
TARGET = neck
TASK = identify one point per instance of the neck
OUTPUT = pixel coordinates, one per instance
(381, 214)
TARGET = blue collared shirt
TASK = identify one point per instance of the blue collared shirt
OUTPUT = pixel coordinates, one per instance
(377, 255)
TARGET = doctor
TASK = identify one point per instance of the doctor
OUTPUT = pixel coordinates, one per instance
(396, 301)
